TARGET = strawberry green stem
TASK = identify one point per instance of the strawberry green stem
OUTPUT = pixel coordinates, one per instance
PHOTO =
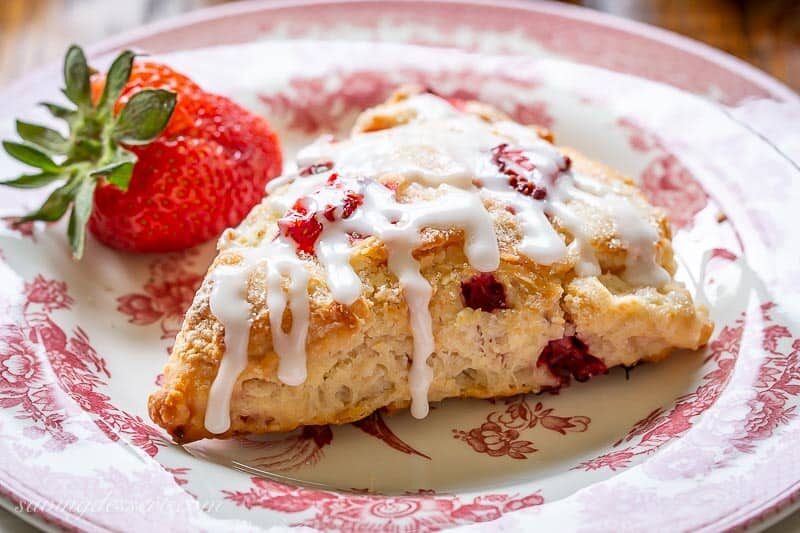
(95, 150)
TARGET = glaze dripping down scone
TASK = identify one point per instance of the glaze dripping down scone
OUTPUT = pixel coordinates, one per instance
(441, 251)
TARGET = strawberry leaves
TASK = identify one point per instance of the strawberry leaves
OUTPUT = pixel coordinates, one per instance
(95, 151)
(49, 139)
(117, 77)
(59, 111)
(55, 206)
(145, 117)
(32, 181)
(119, 172)
(81, 209)
(77, 78)
(31, 155)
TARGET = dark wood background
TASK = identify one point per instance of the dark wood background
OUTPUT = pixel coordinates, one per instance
(764, 32)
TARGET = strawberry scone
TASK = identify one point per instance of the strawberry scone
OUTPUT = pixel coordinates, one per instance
(441, 251)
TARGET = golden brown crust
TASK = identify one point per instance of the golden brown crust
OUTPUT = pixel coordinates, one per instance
(358, 355)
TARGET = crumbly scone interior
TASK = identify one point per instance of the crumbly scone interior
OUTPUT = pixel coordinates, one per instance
(358, 355)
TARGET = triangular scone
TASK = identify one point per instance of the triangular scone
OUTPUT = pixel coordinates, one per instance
(441, 251)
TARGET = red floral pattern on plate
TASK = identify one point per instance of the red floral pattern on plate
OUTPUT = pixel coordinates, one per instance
(778, 381)
(25, 388)
(310, 106)
(179, 473)
(305, 447)
(293, 451)
(352, 513)
(324, 103)
(666, 182)
(499, 435)
(166, 296)
(50, 294)
(533, 113)
(661, 426)
(377, 427)
(73, 365)
(23, 228)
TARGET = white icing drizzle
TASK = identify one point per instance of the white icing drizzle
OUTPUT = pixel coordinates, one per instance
(399, 226)
(228, 302)
(290, 346)
(451, 157)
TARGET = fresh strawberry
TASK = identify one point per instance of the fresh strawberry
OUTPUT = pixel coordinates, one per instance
(153, 163)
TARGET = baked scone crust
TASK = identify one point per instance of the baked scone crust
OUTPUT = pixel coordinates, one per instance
(358, 356)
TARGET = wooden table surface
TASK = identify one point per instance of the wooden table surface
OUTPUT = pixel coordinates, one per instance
(764, 32)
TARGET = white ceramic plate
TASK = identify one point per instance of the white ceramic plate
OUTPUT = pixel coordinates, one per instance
(81, 344)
